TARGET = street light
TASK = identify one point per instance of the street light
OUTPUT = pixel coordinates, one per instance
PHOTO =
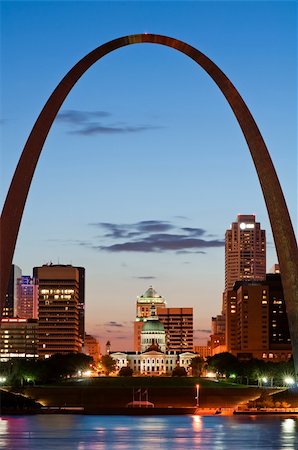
(197, 397)
(289, 381)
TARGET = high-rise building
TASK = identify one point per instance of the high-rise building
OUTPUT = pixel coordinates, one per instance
(18, 338)
(256, 320)
(27, 298)
(11, 294)
(178, 323)
(245, 251)
(58, 309)
(81, 303)
(143, 307)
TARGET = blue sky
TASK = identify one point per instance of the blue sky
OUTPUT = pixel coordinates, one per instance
(145, 167)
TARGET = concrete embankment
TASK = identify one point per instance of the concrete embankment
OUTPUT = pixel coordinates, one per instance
(95, 399)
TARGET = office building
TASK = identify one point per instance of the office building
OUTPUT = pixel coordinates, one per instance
(27, 298)
(178, 324)
(58, 309)
(18, 338)
(245, 251)
(256, 320)
(143, 307)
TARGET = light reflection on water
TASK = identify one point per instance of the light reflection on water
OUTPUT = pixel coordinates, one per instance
(75, 432)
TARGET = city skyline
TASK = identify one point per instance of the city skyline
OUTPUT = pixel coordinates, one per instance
(128, 245)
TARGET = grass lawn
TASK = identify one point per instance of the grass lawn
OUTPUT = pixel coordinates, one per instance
(156, 382)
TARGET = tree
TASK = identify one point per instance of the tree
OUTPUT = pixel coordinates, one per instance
(196, 365)
(179, 372)
(125, 372)
(224, 364)
(62, 365)
(108, 364)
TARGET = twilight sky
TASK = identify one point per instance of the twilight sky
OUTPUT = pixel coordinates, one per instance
(145, 166)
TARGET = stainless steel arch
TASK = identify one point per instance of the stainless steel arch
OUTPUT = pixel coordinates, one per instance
(283, 232)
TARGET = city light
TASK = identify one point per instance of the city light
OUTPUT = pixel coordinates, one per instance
(197, 396)
(289, 381)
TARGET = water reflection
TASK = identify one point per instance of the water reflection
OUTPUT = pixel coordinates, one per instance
(76, 432)
(288, 433)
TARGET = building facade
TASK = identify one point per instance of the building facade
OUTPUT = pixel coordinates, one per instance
(18, 338)
(154, 359)
(27, 298)
(58, 309)
(178, 324)
(256, 320)
(245, 251)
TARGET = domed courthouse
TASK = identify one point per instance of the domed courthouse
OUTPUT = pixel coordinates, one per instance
(154, 358)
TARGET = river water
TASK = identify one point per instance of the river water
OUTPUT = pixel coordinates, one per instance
(82, 432)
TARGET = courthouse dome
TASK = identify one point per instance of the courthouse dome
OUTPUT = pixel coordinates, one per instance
(153, 325)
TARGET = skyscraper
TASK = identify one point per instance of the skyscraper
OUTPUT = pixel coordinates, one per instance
(178, 323)
(27, 298)
(245, 251)
(58, 309)
(256, 320)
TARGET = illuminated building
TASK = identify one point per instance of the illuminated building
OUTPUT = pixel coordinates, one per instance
(143, 305)
(245, 251)
(203, 350)
(58, 309)
(18, 338)
(11, 293)
(152, 362)
(27, 298)
(178, 323)
(256, 320)
(154, 359)
(153, 335)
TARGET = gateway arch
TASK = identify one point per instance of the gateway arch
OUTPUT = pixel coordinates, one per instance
(284, 237)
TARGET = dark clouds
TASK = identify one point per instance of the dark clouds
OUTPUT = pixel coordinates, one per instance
(146, 278)
(153, 236)
(113, 324)
(88, 123)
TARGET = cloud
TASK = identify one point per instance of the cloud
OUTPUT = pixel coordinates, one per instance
(187, 252)
(93, 128)
(153, 236)
(76, 117)
(113, 324)
(145, 278)
(88, 123)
